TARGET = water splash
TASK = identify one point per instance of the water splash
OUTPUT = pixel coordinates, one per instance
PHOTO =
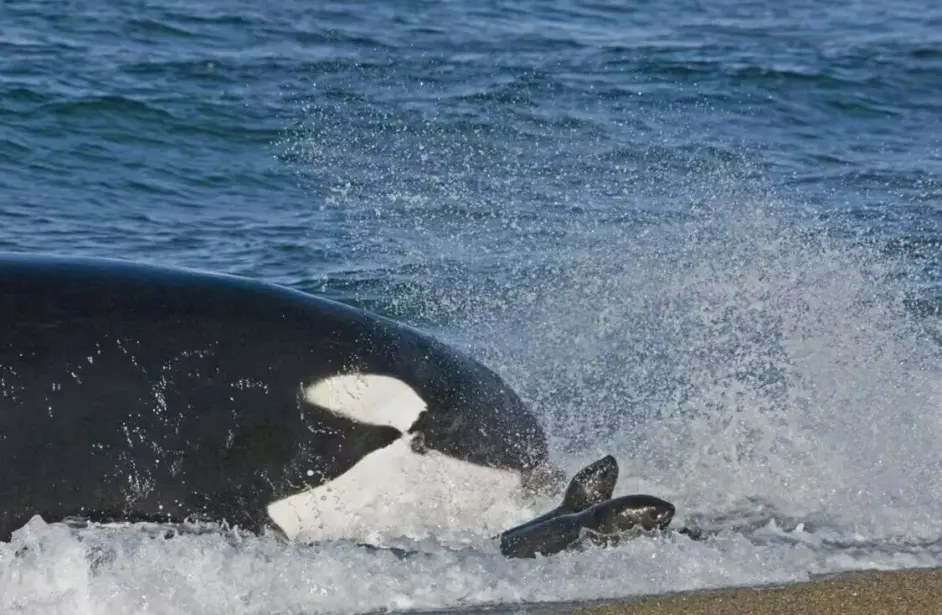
(722, 341)
(736, 354)
(51, 569)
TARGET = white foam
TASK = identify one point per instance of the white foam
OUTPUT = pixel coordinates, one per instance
(395, 492)
(125, 572)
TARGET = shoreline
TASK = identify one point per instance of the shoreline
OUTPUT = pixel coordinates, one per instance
(908, 591)
(911, 591)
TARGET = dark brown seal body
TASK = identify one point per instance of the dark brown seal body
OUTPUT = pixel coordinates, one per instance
(603, 523)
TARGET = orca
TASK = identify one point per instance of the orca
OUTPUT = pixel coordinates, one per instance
(144, 393)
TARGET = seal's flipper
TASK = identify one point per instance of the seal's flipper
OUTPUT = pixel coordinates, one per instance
(592, 485)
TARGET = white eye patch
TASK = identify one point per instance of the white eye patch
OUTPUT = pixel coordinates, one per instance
(368, 398)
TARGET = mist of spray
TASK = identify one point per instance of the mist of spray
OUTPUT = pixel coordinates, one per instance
(728, 356)
(729, 349)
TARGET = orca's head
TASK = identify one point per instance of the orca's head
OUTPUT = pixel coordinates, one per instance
(481, 421)
(461, 447)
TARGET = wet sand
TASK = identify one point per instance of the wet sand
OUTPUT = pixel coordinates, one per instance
(914, 592)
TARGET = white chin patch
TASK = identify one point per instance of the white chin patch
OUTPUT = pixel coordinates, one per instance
(394, 492)
(368, 398)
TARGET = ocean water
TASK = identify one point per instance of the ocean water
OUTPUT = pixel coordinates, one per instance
(704, 236)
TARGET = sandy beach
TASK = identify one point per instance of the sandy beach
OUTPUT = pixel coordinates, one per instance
(913, 592)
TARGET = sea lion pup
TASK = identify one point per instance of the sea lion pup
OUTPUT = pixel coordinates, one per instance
(603, 524)
(592, 485)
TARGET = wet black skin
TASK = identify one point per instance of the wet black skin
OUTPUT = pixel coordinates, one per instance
(592, 485)
(605, 523)
(138, 393)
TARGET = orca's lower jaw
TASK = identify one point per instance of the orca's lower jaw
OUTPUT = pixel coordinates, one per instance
(393, 492)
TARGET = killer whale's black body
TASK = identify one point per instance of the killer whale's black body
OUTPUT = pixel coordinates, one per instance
(141, 393)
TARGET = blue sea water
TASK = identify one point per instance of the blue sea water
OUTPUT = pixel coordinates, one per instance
(702, 235)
